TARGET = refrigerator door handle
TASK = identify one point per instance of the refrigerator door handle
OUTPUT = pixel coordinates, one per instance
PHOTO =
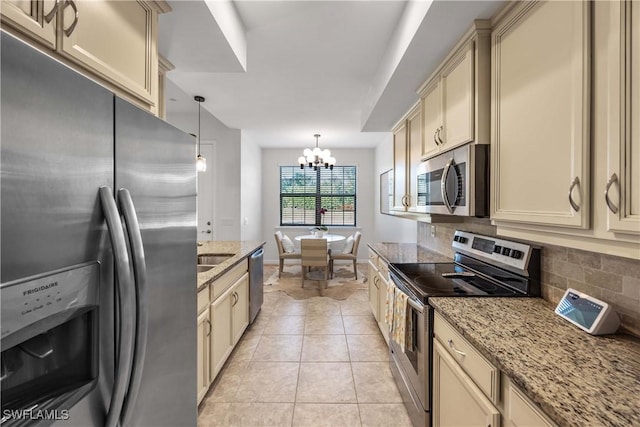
(126, 306)
(142, 312)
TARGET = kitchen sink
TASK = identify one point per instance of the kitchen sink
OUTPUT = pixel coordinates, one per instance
(203, 268)
(213, 259)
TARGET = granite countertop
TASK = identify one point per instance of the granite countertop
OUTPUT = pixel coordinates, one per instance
(577, 379)
(240, 249)
(407, 253)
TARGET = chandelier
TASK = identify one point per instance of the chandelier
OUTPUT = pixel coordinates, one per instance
(316, 158)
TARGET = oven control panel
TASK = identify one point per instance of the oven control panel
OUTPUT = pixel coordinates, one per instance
(493, 249)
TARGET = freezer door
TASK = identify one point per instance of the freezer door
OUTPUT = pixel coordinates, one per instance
(57, 150)
(156, 163)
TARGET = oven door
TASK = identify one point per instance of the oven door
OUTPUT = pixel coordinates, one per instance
(454, 183)
(410, 366)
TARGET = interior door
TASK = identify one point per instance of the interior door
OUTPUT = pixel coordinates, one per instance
(206, 194)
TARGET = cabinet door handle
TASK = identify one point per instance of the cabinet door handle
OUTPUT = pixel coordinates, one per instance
(574, 183)
(614, 179)
(72, 27)
(435, 137)
(440, 129)
(49, 16)
(236, 297)
(210, 327)
(453, 347)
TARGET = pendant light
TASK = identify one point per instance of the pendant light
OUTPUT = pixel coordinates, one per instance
(201, 162)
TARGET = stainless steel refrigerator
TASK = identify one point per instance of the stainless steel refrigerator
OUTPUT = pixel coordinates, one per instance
(98, 253)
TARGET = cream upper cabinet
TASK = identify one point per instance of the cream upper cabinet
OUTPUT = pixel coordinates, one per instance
(530, 187)
(540, 114)
(400, 167)
(431, 118)
(457, 401)
(455, 98)
(36, 18)
(111, 41)
(115, 39)
(407, 147)
(622, 188)
(414, 149)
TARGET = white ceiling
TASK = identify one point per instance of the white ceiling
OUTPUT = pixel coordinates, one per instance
(328, 67)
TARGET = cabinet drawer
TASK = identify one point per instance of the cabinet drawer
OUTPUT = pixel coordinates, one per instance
(373, 257)
(229, 278)
(203, 299)
(383, 268)
(482, 372)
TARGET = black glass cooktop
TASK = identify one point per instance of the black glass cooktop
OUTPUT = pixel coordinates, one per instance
(449, 279)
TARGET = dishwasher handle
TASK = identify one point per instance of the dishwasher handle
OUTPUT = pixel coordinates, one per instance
(257, 254)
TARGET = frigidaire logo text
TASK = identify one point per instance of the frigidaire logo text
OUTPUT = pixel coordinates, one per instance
(39, 288)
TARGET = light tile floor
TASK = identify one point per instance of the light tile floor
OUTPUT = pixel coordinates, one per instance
(315, 362)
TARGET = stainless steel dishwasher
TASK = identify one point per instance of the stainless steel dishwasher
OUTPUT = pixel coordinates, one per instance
(256, 295)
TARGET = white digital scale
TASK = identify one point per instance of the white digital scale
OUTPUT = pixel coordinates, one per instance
(588, 313)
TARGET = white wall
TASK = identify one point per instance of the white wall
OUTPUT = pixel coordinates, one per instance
(251, 190)
(364, 159)
(226, 198)
(388, 228)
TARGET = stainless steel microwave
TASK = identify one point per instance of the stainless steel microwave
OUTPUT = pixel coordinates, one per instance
(455, 182)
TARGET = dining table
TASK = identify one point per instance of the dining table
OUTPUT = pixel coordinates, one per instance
(330, 237)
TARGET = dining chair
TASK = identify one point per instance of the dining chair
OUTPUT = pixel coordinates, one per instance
(286, 250)
(314, 254)
(350, 252)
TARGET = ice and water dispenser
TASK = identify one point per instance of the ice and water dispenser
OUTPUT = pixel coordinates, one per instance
(49, 340)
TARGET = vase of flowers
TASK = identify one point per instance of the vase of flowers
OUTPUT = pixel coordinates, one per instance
(319, 230)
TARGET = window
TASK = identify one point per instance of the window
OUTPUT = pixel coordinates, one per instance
(304, 193)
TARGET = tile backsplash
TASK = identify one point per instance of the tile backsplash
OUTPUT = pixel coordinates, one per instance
(615, 280)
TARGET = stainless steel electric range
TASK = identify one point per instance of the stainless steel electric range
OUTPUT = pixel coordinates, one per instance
(483, 267)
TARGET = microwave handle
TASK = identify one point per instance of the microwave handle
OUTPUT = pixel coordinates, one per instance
(443, 184)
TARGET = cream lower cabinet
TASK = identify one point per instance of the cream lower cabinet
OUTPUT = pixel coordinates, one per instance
(383, 285)
(540, 114)
(223, 316)
(518, 410)
(457, 401)
(229, 318)
(468, 390)
(374, 291)
(203, 346)
(378, 285)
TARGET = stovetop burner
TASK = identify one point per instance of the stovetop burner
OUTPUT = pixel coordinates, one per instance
(454, 280)
(429, 285)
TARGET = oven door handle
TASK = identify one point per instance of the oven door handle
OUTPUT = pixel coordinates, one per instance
(443, 184)
(415, 305)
